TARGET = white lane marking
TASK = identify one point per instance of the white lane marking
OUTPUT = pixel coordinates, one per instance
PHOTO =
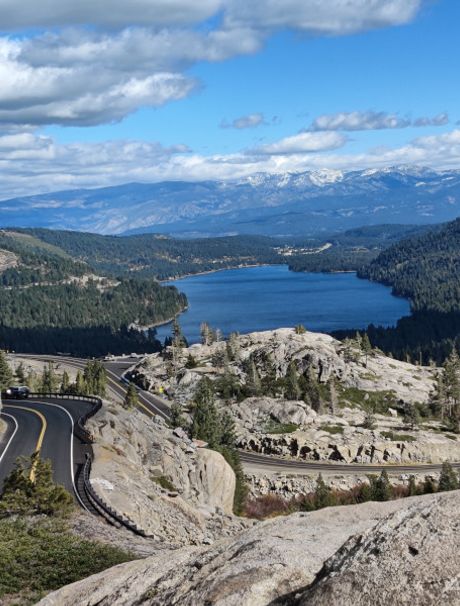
(71, 448)
(5, 414)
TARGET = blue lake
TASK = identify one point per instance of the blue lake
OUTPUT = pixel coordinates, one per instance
(264, 298)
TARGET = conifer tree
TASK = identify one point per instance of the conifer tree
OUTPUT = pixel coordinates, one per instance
(32, 381)
(49, 380)
(323, 496)
(234, 346)
(253, 381)
(312, 395)
(131, 398)
(179, 340)
(411, 416)
(451, 380)
(20, 374)
(269, 381)
(80, 385)
(291, 383)
(381, 488)
(205, 424)
(366, 347)
(227, 429)
(429, 487)
(412, 488)
(448, 479)
(27, 493)
(6, 376)
(65, 383)
(333, 397)
(206, 334)
(177, 418)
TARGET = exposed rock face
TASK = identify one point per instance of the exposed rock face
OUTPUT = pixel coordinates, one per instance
(254, 413)
(339, 437)
(412, 558)
(276, 561)
(7, 259)
(329, 438)
(326, 356)
(174, 491)
(291, 485)
(93, 528)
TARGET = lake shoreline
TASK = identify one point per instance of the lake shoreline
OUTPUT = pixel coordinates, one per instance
(233, 267)
(254, 298)
(215, 271)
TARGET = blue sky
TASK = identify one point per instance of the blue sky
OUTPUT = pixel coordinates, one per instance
(96, 93)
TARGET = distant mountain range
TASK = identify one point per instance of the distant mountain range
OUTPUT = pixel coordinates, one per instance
(300, 204)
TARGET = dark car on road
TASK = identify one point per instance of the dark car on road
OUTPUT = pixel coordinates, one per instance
(18, 392)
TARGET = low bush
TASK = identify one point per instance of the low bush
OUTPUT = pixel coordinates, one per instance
(378, 488)
(275, 428)
(333, 429)
(40, 555)
(398, 437)
(164, 482)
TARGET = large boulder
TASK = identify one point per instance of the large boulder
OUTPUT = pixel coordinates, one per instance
(411, 558)
(158, 479)
(269, 564)
(256, 413)
(324, 355)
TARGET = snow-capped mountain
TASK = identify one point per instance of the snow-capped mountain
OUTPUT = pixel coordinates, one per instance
(273, 204)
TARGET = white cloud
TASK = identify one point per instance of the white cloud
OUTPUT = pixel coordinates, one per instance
(351, 121)
(249, 121)
(31, 164)
(371, 120)
(303, 143)
(319, 16)
(135, 54)
(105, 13)
(439, 120)
(76, 78)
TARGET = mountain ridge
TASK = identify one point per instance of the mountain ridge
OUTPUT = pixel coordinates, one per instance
(287, 204)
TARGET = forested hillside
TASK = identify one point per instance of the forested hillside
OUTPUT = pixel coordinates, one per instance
(163, 257)
(159, 256)
(426, 269)
(50, 302)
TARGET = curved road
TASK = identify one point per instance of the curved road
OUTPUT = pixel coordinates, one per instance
(148, 402)
(155, 405)
(45, 426)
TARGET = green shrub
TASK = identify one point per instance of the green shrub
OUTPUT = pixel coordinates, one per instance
(332, 428)
(40, 555)
(377, 401)
(274, 427)
(164, 482)
(397, 437)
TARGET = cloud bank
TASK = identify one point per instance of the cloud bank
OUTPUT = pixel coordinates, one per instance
(92, 62)
(371, 120)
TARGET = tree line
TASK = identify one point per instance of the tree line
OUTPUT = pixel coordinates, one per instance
(377, 488)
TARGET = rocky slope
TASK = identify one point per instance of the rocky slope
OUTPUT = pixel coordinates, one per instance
(414, 555)
(278, 562)
(279, 204)
(324, 355)
(341, 437)
(275, 425)
(174, 491)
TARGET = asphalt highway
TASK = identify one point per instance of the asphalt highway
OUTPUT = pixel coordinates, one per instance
(260, 461)
(46, 426)
(149, 403)
(155, 405)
